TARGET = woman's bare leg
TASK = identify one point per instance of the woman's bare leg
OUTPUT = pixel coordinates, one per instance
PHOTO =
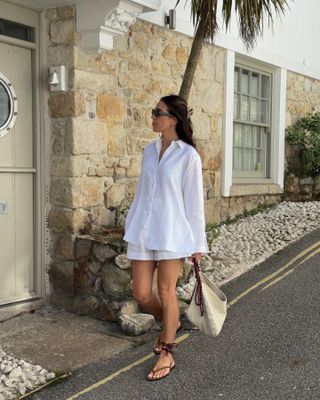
(142, 276)
(168, 274)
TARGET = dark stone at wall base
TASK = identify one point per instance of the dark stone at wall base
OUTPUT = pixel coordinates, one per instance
(116, 282)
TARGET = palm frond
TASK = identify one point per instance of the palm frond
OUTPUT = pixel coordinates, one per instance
(251, 16)
(204, 11)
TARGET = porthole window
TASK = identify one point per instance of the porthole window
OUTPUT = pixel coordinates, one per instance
(8, 106)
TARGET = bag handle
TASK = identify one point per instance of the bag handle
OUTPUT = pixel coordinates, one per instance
(198, 288)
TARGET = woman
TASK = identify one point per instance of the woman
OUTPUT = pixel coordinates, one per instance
(165, 223)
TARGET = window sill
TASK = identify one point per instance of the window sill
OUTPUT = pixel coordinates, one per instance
(243, 189)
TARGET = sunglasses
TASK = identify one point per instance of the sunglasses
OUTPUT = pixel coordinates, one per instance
(156, 112)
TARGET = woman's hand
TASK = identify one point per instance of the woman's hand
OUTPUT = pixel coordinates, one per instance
(197, 256)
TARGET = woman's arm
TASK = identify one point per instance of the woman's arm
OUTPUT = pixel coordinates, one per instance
(194, 204)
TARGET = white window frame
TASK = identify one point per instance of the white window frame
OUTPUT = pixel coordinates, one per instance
(276, 169)
(266, 138)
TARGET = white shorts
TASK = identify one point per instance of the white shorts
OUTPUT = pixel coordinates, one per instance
(140, 252)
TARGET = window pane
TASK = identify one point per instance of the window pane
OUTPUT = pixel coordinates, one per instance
(5, 105)
(247, 159)
(236, 79)
(258, 143)
(15, 30)
(237, 135)
(258, 160)
(245, 81)
(245, 108)
(236, 106)
(264, 118)
(237, 159)
(265, 86)
(254, 84)
(247, 136)
(254, 110)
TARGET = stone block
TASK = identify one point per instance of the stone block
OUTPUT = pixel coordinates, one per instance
(83, 248)
(103, 252)
(135, 167)
(115, 281)
(106, 312)
(64, 246)
(212, 211)
(106, 217)
(116, 146)
(182, 55)
(61, 277)
(62, 32)
(91, 189)
(115, 195)
(95, 267)
(124, 162)
(60, 55)
(105, 63)
(169, 52)
(122, 261)
(110, 108)
(136, 145)
(129, 307)
(136, 324)
(154, 86)
(67, 220)
(62, 192)
(307, 181)
(101, 171)
(66, 104)
(90, 306)
(219, 72)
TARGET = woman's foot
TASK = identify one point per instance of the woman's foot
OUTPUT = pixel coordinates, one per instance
(158, 343)
(163, 366)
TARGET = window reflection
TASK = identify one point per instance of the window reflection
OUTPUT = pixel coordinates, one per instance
(4, 105)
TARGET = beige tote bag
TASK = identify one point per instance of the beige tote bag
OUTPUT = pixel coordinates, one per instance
(208, 306)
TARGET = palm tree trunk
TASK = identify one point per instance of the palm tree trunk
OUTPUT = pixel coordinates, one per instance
(193, 60)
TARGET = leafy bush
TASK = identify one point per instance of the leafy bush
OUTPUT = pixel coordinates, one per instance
(306, 134)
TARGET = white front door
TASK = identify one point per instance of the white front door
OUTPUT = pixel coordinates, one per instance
(17, 175)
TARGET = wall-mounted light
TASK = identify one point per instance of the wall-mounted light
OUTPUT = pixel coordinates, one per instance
(57, 78)
(171, 19)
(53, 79)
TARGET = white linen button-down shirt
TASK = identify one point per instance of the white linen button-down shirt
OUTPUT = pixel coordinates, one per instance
(168, 206)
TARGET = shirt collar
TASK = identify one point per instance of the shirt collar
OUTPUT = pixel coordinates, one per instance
(158, 143)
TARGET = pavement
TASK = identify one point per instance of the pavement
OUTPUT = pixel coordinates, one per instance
(61, 342)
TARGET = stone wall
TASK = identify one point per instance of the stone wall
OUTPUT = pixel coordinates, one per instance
(101, 124)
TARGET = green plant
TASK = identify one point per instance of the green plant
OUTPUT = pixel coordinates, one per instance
(306, 134)
(212, 232)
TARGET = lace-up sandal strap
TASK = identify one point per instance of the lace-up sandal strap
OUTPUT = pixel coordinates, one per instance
(168, 347)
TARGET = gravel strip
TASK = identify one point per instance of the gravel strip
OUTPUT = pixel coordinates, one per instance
(18, 376)
(249, 241)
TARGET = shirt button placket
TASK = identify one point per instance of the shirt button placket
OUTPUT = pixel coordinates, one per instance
(149, 207)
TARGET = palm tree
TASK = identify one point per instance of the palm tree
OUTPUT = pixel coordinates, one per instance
(250, 15)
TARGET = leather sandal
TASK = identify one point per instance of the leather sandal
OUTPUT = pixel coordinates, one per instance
(158, 345)
(168, 347)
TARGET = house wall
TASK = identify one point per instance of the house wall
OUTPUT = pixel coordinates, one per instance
(288, 43)
(101, 124)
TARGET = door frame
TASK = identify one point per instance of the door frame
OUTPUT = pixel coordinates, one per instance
(31, 18)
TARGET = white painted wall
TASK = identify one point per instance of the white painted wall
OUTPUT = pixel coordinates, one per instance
(292, 44)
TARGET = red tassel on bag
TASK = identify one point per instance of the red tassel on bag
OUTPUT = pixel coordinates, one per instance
(198, 289)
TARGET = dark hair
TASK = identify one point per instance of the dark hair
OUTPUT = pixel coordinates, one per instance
(178, 107)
